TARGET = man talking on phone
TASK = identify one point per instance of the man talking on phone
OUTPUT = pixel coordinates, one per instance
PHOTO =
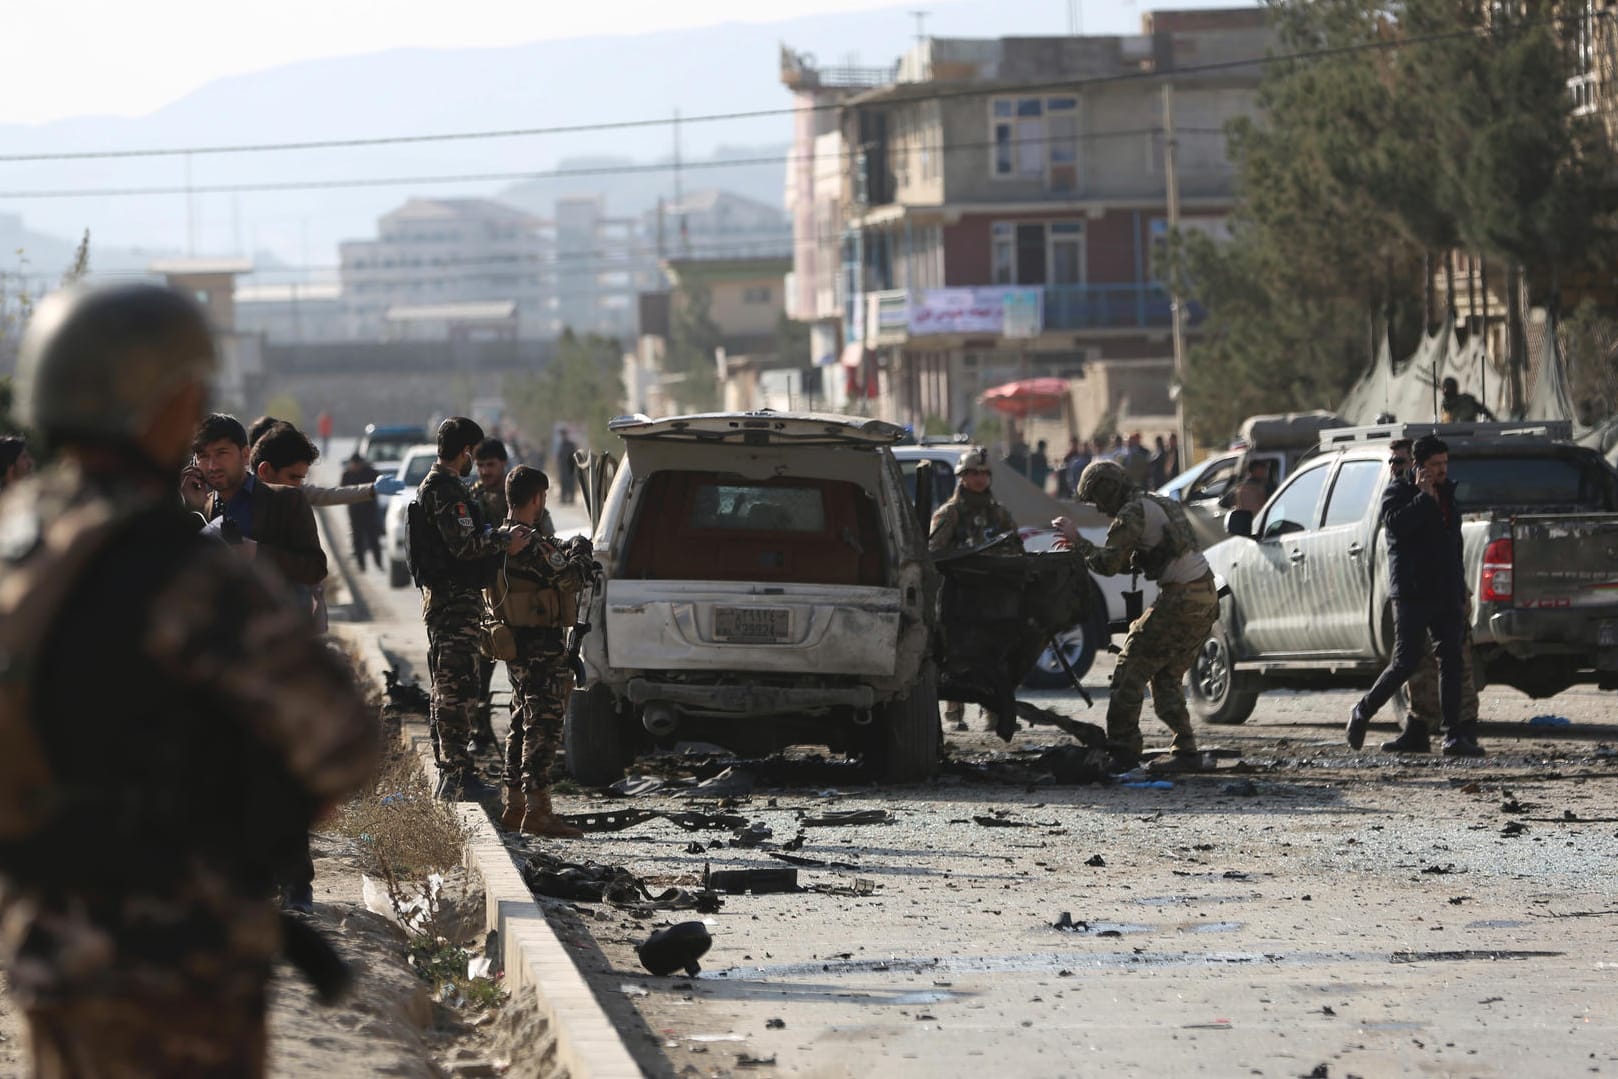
(1428, 586)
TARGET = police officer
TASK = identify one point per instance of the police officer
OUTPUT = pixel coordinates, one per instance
(1149, 534)
(455, 567)
(970, 518)
(535, 595)
(141, 809)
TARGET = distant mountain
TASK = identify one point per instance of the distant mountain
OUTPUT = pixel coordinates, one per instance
(727, 68)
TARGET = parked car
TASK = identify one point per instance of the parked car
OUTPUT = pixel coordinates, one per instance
(766, 584)
(1308, 603)
(416, 462)
(1033, 509)
(384, 445)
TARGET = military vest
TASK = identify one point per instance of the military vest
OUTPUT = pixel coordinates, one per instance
(1178, 537)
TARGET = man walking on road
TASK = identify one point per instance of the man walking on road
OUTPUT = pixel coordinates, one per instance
(141, 807)
(1428, 586)
(1149, 534)
(454, 548)
(535, 595)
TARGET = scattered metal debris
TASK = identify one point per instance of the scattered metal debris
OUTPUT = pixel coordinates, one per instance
(676, 948)
(757, 881)
(849, 816)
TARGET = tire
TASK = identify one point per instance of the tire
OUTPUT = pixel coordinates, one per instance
(398, 573)
(1220, 694)
(1080, 642)
(908, 740)
(595, 738)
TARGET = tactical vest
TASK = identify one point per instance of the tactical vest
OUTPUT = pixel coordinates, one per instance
(522, 602)
(432, 564)
(42, 564)
(1178, 538)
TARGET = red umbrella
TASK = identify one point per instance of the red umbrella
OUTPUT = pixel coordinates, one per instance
(1027, 395)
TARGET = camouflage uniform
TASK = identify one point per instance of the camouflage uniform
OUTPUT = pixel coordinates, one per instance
(1150, 534)
(492, 501)
(136, 929)
(536, 594)
(453, 611)
(968, 519)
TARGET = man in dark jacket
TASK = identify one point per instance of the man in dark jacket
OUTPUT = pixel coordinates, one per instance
(273, 522)
(1428, 586)
(364, 522)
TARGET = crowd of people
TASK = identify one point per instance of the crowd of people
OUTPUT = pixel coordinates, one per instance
(1147, 469)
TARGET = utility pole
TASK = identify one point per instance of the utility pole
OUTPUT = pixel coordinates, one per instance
(1171, 184)
(679, 198)
(921, 25)
(190, 212)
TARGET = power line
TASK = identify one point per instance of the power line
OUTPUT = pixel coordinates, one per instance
(899, 97)
(552, 174)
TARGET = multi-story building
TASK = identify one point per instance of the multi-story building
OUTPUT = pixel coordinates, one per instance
(1000, 205)
(717, 224)
(450, 251)
(603, 263)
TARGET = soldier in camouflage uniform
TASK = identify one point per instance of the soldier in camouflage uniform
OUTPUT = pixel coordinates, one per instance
(1149, 534)
(460, 549)
(535, 595)
(141, 809)
(970, 519)
(489, 458)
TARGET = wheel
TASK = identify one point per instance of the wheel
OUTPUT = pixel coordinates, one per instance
(1079, 643)
(595, 737)
(1219, 693)
(398, 573)
(908, 740)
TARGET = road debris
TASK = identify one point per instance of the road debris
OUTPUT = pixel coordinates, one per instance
(591, 882)
(757, 881)
(1095, 860)
(849, 816)
(676, 948)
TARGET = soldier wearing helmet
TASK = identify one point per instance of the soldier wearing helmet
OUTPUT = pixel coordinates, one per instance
(971, 518)
(1150, 535)
(213, 729)
(1458, 407)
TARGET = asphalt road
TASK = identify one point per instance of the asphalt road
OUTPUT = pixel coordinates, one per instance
(1310, 911)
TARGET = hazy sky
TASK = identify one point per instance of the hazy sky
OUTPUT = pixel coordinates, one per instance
(116, 57)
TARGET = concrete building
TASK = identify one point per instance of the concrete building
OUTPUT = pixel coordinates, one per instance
(602, 263)
(213, 282)
(450, 251)
(714, 224)
(1000, 206)
(292, 313)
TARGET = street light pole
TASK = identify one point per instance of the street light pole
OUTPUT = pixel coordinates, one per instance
(1171, 183)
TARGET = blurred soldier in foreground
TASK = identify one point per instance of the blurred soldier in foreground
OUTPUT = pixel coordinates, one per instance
(453, 551)
(535, 596)
(1149, 534)
(971, 518)
(140, 808)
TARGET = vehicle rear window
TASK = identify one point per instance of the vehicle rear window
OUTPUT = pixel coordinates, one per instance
(756, 507)
(390, 447)
(417, 468)
(1487, 482)
(943, 479)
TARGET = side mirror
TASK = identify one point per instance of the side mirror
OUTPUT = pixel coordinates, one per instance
(1239, 523)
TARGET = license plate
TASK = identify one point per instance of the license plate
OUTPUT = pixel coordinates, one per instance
(766, 625)
(1607, 634)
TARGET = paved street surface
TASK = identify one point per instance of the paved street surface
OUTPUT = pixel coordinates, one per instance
(1313, 912)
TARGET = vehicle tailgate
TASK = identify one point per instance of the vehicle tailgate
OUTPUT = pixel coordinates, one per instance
(1564, 560)
(748, 626)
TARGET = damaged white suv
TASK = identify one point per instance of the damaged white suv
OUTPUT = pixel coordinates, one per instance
(766, 584)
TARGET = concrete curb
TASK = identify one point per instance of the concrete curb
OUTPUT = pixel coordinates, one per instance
(587, 1044)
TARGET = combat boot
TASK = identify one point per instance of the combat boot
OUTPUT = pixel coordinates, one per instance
(1176, 761)
(464, 784)
(511, 816)
(1463, 742)
(1413, 739)
(539, 818)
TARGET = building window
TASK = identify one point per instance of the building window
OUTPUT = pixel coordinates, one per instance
(1038, 252)
(1036, 138)
(756, 294)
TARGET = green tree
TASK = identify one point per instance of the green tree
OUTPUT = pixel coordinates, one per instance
(581, 384)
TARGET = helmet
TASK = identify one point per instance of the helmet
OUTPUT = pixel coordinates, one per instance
(97, 362)
(973, 460)
(1104, 483)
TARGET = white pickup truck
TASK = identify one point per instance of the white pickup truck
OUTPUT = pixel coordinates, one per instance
(1308, 603)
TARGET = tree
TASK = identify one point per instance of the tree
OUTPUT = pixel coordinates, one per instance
(1430, 125)
(581, 384)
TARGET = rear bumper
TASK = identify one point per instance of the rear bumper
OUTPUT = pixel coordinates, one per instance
(749, 700)
(1527, 633)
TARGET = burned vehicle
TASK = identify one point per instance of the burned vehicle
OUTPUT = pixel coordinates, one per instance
(766, 584)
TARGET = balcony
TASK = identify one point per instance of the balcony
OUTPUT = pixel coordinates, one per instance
(1112, 307)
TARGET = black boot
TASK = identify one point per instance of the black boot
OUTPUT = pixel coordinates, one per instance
(1463, 742)
(1358, 721)
(1413, 739)
(464, 785)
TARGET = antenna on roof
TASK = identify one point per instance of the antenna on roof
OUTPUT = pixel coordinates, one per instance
(921, 25)
(1075, 18)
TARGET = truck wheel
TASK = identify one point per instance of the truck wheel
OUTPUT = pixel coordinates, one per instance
(398, 573)
(1219, 693)
(907, 739)
(596, 739)
(1079, 643)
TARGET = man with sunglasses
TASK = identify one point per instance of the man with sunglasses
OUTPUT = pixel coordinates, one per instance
(1425, 714)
